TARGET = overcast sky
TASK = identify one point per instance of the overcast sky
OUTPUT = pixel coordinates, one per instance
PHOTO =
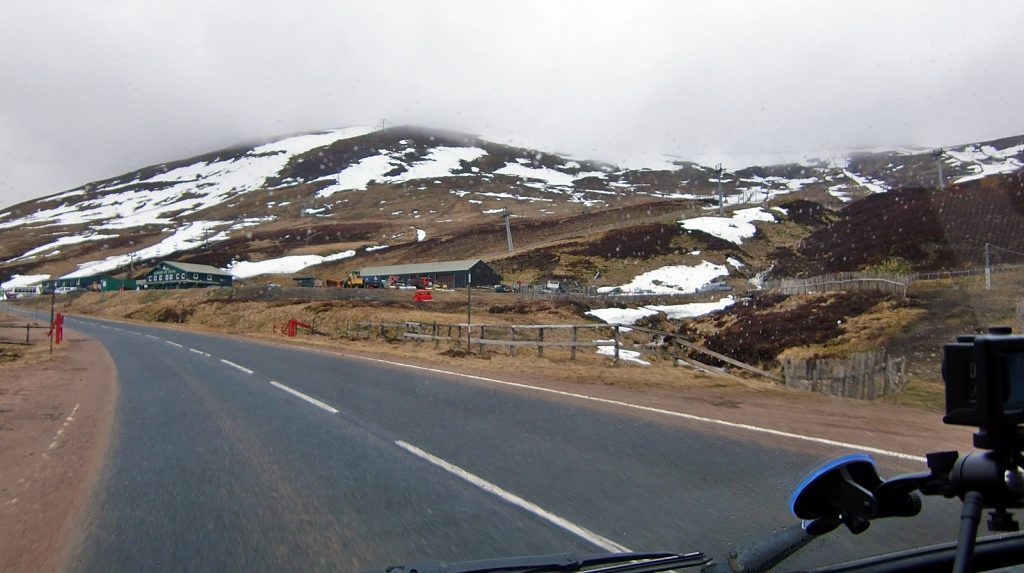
(95, 89)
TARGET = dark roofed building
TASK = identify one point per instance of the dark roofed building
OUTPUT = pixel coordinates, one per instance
(172, 274)
(89, 282)
(453, 274)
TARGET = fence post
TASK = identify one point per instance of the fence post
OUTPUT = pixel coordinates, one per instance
(460, 337)
(383, 333)
(540, 347)
(27, 341)
(512, 347)
(481, 340)
(616, 339)
(572, 349)
(436, 336)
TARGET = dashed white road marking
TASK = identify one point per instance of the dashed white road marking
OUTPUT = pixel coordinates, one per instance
(305, 397)
(67, 421)
(117, 329)
(673, 413)
(233, 365)
(596, 539)
(153, 337)
(174, 344)
(197, 351)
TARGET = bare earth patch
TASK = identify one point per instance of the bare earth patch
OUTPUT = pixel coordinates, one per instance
(55, 418)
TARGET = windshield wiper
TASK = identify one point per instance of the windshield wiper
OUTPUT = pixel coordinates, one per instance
(599, 563)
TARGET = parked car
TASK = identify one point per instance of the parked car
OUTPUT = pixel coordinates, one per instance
(502, 288)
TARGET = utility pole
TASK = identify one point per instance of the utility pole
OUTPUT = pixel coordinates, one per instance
(721, 196)
(988, 269)
(938, 154)
(508, 227)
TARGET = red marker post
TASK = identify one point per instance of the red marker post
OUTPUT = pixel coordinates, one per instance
(56, 332)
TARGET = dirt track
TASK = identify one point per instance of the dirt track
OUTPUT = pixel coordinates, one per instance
(55, 417)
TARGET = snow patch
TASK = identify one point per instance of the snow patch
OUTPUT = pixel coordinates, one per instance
(61, 242)
(689, 310)
(874, 186)
(621, 315)
(672, 311)
(733, 229)
(986, 160)
(677, 279)
(283, 265)
(23, 280)
(438, 162)
(184, 190)
(626, 355)
(188, 237)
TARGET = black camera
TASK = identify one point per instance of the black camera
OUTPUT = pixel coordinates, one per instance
(984, 375)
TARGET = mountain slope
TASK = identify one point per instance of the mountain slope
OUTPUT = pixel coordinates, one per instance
(351, 189)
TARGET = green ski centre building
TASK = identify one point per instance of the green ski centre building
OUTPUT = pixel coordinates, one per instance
(172, 274)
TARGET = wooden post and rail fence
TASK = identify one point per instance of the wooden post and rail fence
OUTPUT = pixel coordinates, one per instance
(866, 375)
(539, 337)
(29, 327)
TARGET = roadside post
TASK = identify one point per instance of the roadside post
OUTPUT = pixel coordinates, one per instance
(469, 312)
(56, 332)
(53, 303)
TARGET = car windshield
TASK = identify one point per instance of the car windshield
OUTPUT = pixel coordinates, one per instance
(339, 285)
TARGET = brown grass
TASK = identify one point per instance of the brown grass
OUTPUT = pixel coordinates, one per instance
(212, 311)
(17, 354)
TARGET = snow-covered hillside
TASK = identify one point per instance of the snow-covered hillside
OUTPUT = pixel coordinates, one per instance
(334, 176)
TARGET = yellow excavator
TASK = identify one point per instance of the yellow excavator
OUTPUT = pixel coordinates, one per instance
(353, 280)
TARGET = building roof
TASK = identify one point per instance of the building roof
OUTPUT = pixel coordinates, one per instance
(67, 277)
(421, 268)
(194, 268)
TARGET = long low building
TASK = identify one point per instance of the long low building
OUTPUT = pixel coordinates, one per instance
(89, 282)
(173, 274)
(454, 274)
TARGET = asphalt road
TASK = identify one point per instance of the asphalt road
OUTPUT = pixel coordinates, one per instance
(234, 455)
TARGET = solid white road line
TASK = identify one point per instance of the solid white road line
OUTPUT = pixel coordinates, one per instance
(598, 540)
(309, 399)
(233, 365)
(174, 344)
(691, 417)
